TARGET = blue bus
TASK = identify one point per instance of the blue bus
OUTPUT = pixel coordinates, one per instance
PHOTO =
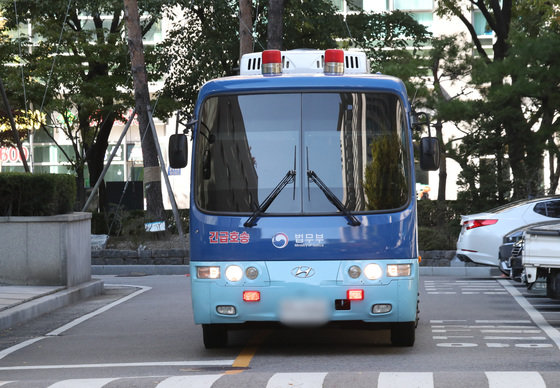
(303, 204)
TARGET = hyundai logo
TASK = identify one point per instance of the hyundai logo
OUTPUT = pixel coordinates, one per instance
(303, 272)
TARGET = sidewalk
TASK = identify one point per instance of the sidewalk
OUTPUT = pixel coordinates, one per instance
(19, 304)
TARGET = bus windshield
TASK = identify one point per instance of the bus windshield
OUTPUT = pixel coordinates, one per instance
(342, 148)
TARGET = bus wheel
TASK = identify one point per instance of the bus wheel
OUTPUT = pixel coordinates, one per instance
(402, 333)
(214, 336)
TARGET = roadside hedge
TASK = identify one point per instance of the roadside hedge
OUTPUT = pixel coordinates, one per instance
(439, 224)
(23, 194)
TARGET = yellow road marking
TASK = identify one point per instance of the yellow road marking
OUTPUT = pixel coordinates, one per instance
(248, 352)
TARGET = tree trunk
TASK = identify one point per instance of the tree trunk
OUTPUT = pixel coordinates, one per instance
(274, 28)
(152, 172)
(442, 162)
(245, 28)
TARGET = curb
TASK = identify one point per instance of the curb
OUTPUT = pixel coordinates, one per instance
(140, 270)
(45, 304)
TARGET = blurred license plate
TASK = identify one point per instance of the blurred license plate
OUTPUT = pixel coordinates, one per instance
(304, 311)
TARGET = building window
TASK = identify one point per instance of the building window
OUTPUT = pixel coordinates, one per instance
(376, 5)
(424, 18)
(413, 4)
(480, 24)
(338, 4)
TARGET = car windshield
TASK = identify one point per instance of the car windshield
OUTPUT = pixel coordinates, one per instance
(354, 143)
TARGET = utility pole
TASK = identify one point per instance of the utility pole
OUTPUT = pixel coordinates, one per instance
(245, 28)
(152, 173)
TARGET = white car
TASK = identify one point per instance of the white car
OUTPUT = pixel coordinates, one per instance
(482, 233)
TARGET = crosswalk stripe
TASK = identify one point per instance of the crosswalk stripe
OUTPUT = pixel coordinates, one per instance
(405, 379)
(303, 380)
(82, 383)
(494, 379)
(515, 380)
(200, 381)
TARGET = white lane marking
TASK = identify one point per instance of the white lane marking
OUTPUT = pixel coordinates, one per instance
(5, 382)
(533, 313)
(121, 365)
(490, 337)
(101, 310)
(405, 379)
(448, 330)
(62, 329)
(303, 380)
(82, 383)
(444, 337)
(15, 348)
(502, 321)
(515, 380)
(457, 345)
(201, 381)
(533, 346)
(513, 331)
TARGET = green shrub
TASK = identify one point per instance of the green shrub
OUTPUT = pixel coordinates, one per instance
(26, 194)
(439, 224)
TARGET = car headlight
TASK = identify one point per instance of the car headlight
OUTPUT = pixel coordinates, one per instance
(394, 270)
(373, 271)
(234, 273)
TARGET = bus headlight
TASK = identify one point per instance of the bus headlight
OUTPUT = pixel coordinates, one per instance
(373, 271)
(394, 270)
(208, 272)
(252, 273)
(354, 272)
(234, 273)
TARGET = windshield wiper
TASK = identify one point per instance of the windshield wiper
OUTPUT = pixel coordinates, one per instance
(352, 220)
(290, 177)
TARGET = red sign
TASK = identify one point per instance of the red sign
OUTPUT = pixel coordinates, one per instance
(11, 154)
(225, 237)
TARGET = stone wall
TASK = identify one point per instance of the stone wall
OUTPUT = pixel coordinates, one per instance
(45, 251)
(140, 257)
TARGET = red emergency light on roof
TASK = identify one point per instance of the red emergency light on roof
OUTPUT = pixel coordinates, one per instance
(271, 62)
(334, 62)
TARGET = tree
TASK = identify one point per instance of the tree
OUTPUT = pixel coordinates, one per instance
(245, 28)
(385, 38)
(89, 86)
(203, 42)
(514, 111)
(207, 45)
(152, 172)
(275, 24)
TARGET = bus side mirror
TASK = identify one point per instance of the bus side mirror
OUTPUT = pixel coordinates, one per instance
(429, 153)
(178, 150)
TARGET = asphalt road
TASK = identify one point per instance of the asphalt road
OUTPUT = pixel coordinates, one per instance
(472, 333)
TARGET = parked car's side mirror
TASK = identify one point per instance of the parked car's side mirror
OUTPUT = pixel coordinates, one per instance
(178, 150)
(429, 153)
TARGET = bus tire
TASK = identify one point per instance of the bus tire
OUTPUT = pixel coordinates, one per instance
(214, 336)
(403, 333)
